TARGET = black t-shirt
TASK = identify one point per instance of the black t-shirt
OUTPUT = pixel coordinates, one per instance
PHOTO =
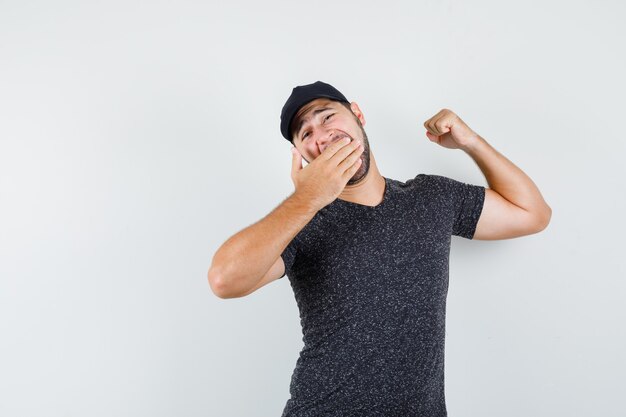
(371, 283)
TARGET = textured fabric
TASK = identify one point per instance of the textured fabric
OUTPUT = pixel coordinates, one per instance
(371, 286)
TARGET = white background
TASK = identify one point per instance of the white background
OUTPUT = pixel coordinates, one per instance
(136, 137)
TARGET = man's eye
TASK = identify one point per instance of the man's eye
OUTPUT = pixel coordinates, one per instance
(305, 135)
(329, 116)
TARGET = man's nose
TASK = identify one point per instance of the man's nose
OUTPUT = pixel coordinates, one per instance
(325, 139)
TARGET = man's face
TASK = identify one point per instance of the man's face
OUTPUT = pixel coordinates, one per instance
(322, 122)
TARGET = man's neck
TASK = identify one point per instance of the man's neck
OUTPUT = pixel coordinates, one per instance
(369, 191)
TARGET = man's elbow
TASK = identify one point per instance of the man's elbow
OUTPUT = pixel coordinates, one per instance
(217, 284)
(543, 219)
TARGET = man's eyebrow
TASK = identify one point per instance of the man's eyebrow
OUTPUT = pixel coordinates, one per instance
(315, 113)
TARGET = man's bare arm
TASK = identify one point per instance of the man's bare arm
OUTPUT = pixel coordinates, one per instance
(513, 204)
(245, 259)
(242, 261)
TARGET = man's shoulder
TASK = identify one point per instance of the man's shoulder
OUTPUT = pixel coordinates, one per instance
(421, 180)
(428, 187)
(434, 181)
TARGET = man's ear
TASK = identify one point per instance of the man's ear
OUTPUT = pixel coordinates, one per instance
(357, 112)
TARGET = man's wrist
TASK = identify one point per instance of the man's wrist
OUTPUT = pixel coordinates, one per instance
(304, 203)
(475, 145)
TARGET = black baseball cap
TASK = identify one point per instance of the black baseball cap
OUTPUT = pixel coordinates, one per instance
(301, 95)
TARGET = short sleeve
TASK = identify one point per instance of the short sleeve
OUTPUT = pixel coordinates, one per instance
(289, 256)
(466, 204)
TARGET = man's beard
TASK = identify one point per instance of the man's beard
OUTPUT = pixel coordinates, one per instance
(362, 171)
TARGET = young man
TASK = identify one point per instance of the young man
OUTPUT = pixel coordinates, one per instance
(367, 256)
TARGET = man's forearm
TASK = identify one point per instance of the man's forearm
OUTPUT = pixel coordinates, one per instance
(507, 179)
(241, 261)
